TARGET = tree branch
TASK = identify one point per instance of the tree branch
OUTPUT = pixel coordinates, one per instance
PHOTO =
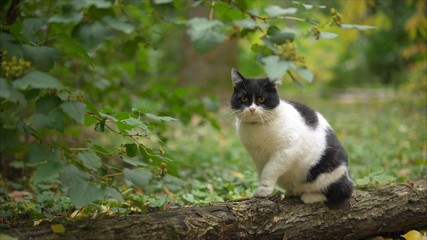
(377, 210)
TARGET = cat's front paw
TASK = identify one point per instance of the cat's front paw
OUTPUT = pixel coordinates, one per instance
(263, 191)
(308, 198)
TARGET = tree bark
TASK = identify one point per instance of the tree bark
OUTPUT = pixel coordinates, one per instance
(375, 211)
(209, 71)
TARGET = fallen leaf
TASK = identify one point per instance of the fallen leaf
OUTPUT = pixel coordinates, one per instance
(37, 222)
(57, 228)
(413, 235)
(237, 174)
(18, 196)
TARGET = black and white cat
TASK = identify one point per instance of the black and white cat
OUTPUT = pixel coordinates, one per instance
(291, 144)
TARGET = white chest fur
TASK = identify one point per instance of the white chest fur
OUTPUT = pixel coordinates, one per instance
(285, 137)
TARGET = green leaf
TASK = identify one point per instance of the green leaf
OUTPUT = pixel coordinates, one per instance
(75, 110)
(328, 35)
(90, 159)
(101, 150)
(162, 1)
(42, 57)
(131, 149)
(47, 171)
(383, 178)
(90, 35)
(8, 139)
(160, 118)
(30, 26)
(36, 79)
(138, 177)
(80, 190)
(124, 127)
(102, 4)
(358, 27)
(11, 45)
(134, 162)
(11, 94)
(52, 120)
(136, 123)
(251, 24)
(72, 176)
(275, 67)
(278, 36)
(38, 154)
(363, 181)
(309, 6)
(262, 49)
(189, 198)
(205, 34)
(111, 192)
(47, 104)
(122, 115)
(84, 193)
(71, 47)
(306, 74)
(89, 120)
(241, 4)
(118, 25)
(270, 45)
(67, 17)
(5, 89)
(275, 11)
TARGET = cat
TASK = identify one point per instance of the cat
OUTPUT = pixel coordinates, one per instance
(291, 144)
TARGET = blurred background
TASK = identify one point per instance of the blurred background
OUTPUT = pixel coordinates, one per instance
(144, 56)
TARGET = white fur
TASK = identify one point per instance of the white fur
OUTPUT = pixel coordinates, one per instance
(284, 149)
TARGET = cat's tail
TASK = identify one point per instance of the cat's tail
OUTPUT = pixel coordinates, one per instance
(339, 193)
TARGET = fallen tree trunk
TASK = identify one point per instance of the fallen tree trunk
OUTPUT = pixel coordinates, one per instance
(376, 210)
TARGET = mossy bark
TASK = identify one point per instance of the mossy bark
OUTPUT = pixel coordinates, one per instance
(375, 211)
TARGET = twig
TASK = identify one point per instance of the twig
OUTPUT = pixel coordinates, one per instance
(212, 10)
(411, 186)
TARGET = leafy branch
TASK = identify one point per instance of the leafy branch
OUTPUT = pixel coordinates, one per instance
(276, 51)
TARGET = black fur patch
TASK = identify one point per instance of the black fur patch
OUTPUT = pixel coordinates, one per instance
(253, 88)
(333, 157)
(339, 192)
(308, 114)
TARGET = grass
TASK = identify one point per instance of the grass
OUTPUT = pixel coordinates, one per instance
(384, 137)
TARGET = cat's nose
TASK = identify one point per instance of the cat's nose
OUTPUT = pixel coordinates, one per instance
(252, 110)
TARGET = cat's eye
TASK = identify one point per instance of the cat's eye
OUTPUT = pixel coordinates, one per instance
(244, 99)
(261, 99)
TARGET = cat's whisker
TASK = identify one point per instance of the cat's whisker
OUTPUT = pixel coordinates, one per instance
(234, 114)
(269, 116)
(261, 116)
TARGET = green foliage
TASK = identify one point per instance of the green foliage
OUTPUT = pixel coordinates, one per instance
(89, 117)
(205, 34)
(383, 57)
(46, 58)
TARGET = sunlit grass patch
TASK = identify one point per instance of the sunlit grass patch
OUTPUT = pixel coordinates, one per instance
(385, 140)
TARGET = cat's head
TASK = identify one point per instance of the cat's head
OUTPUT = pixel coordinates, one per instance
(253, 98)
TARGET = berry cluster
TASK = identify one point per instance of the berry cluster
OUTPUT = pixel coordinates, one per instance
(289, 52)
(336, 18)
(14, 67)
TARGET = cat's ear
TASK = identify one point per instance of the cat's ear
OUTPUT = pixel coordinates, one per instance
(236, 76)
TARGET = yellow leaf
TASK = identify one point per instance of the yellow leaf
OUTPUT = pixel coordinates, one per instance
(37, 222)
(57, 228)
(78, 214)
(413, 235)
(237, 174)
